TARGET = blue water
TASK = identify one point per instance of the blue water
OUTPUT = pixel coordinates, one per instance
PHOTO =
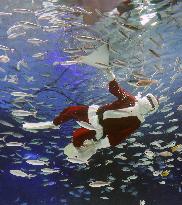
(56, 87)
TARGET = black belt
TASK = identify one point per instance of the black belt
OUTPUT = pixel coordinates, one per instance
(100, 118)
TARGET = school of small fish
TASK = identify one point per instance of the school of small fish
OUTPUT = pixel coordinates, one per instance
(36, 83)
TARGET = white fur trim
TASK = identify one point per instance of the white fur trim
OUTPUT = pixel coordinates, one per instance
(94, 121)
(125, 112)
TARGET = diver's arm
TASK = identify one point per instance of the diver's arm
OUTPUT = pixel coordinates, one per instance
(119, 92)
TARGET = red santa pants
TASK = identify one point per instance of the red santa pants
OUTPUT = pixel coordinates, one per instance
(79, 113)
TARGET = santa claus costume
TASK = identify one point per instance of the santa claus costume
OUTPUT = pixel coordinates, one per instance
(110, 124)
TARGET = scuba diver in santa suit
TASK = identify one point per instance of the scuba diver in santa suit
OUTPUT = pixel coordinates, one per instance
(116, 120)
(107, 125)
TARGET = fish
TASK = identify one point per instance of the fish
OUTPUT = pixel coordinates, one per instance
(5, 14)
(39, 55)
(51, 28)
(36, 41)
(4, 59)
(165, 154)
(156, 173)
(51, 183)
(171, 129)
(177, 148)
(169, 115)
(73, 50)
(15, 144)
(132, 27)
(22, 11)
(145, 82)
(162, 182)
(65, 63)
(15, 35)
(97, 184)
(147, 125)
(39, 125)
(77, 160)
(155, 143)
(37, 162)
(173, 120)
(88, 39)
(102, 65)
(28, 25)
(149, 153)
(132, 177)
(159, 123)
(20, 173)
(163, 99)
(156, 132)
(23, 113)
(155, 42)
(49, 170)
(6, 123)
(166, 109)
(154, 53)
(104, 197)
(137, 155)
(120, 156)
(21, 94)
(122, 33)
(165, 173)
(119, 63)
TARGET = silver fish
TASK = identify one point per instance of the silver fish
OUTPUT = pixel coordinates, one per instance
(171, 129)
(5, 14)
(20, 173)
(22, 11)
(169, 115)
(21, 94)
(77, 161)
(15, 35)
(87, 39)
(6, 123)
(36, 41)
(49, 170)
(23, 113)
(14, 144)
(99, 184)
(37, 162)
(28, 25)
(39, 55)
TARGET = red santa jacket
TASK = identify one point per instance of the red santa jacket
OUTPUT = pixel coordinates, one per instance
(119, 129)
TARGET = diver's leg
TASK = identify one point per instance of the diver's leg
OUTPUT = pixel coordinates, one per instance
(82, 134)
(79, 113)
